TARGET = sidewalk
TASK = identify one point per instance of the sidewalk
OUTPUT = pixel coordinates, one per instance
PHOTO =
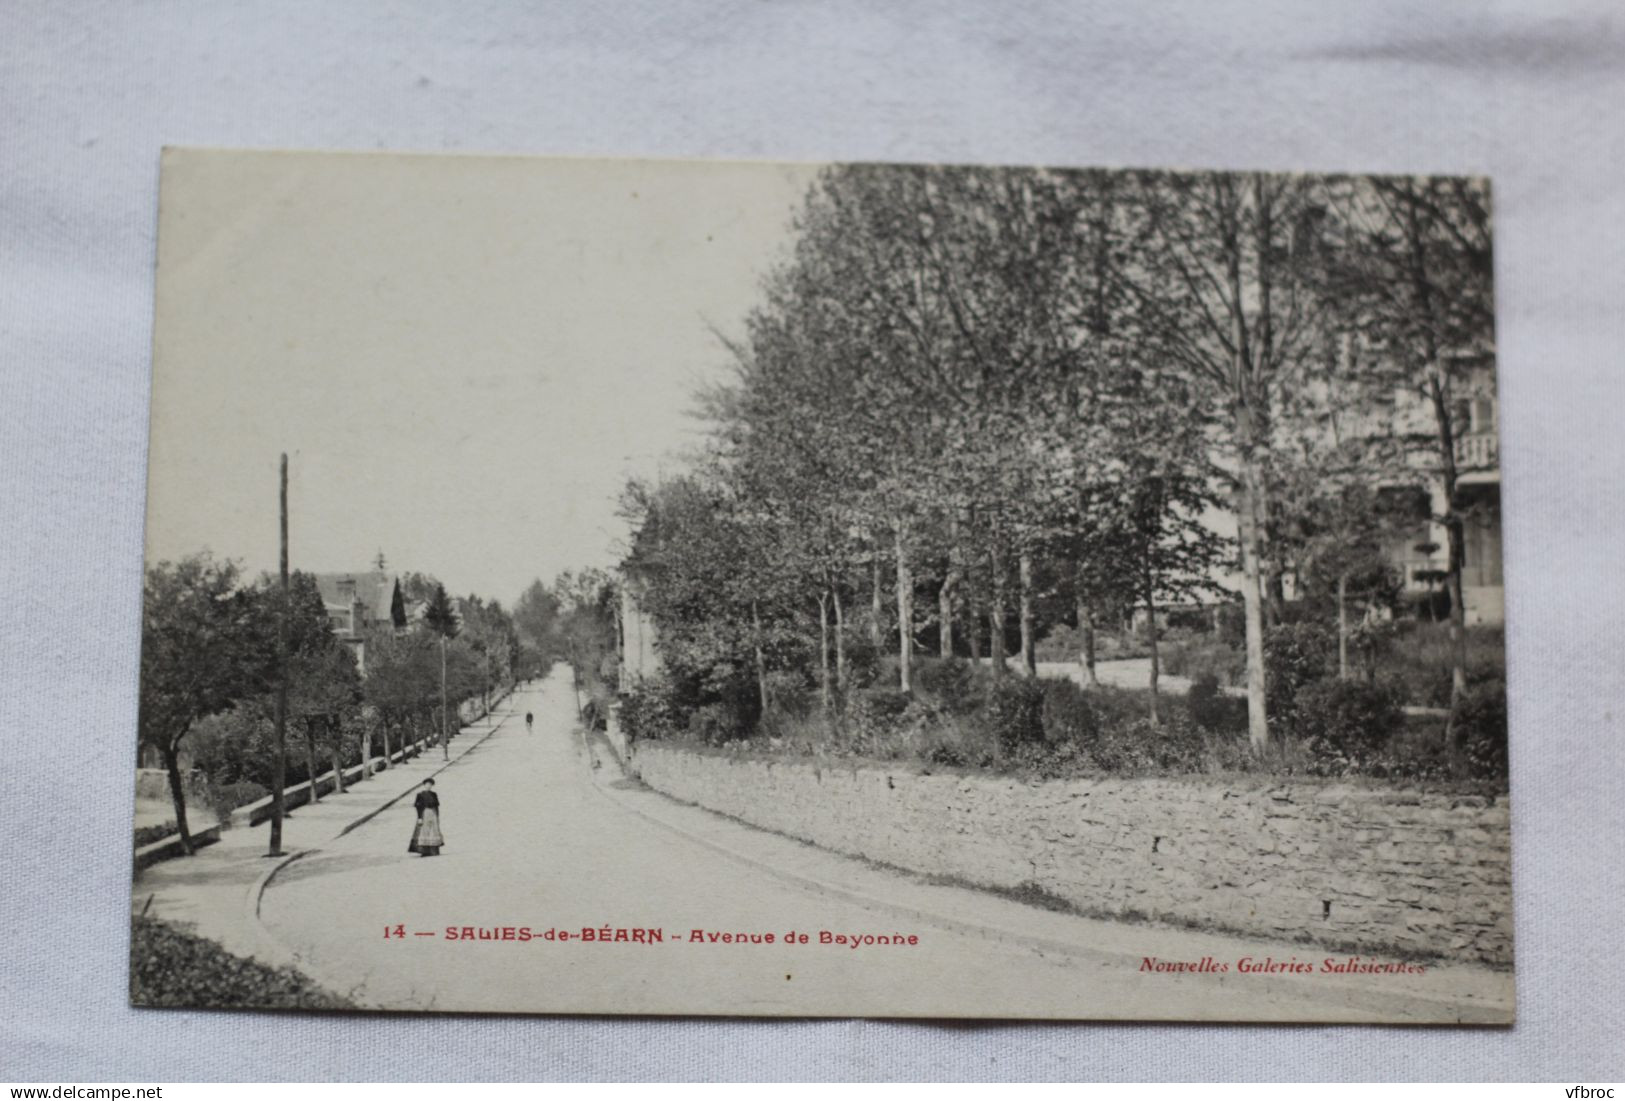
(216, 891)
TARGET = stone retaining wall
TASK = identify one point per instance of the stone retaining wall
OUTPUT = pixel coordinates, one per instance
(1351, 866)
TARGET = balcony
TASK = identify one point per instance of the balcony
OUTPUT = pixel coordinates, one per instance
(1478, 451)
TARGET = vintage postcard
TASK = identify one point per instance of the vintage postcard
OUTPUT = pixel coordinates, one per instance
(661, 587)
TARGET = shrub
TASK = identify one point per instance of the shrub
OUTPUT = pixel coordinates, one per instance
(1123, 748)
(962, 744)
(650, 711)
(1178, 745)
(1480, 730)
(1416, 752)
(1418, 658)
(1069, 715)
(876, 712)
(862, 661)
(1205, 656)
(1295, 655)
(1346, 725)
(1014, 711)
(952, 683)
(1370, 643)
(1116, 707)
(1063, 643)
(790, 693)
(226, 798)
(720, 723)
(810, 732)
(1206, 706)
(1113, 646)
(171, 967)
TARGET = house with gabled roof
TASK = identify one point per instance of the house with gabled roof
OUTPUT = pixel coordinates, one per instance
(357, 603)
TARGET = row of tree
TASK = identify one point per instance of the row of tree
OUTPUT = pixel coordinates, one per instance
(210, 674)
(987, 388)
(576, 619)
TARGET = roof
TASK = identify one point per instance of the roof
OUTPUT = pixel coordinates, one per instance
(374, 588)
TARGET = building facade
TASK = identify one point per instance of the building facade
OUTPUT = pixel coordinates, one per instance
(358, 603)
(639, 659)
(1422, 554)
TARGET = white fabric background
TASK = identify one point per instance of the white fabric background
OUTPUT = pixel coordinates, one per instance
(1530, 93)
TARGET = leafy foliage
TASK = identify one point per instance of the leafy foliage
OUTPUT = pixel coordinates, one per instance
(1295, 655)
(1014, 712)
(209, 671)
(1069, 716)
(172, 967)
(1346, 725)
(1481, 730)
(440, 616)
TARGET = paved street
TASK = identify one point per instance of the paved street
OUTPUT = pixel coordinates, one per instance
(538, 837)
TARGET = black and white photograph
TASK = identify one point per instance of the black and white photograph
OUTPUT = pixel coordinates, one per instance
(777, 589)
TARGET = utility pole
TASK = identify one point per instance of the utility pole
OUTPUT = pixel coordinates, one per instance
(445, 731)
(279, 773)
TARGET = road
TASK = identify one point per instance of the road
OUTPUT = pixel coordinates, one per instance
(537, 838)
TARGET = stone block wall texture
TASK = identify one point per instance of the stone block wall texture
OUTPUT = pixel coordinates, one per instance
(1350, 866)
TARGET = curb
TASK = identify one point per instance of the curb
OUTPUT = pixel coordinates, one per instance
(256, 891)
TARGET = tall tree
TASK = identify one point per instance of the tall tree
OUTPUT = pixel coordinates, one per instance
(1227, 287)
(403, 671)
(1418, 273)
(200, 654)
(323, 692)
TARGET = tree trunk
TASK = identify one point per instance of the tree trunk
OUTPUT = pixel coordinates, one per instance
(338, 770)
(840, 640)
(1438, 388)
(1153, 636)
(1086, 638)
(905, 615)
(1343, 626)
(761, 658)
(384, 729)
(950, 583)
(177, 794)
(1274, 593)
(310, 760)
(1029, 651)
(1263, 340)
(823, 653)
(877, 610)
(973, 618)
(995, 617)
(1455, 534)
(366, 754)
(1252, 598)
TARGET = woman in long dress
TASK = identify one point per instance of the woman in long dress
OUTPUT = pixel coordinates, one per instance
(426, 839)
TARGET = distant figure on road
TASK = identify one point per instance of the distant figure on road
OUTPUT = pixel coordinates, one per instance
(426, 839)
(529, 719)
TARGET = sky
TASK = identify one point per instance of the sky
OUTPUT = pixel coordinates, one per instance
(464, 357)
